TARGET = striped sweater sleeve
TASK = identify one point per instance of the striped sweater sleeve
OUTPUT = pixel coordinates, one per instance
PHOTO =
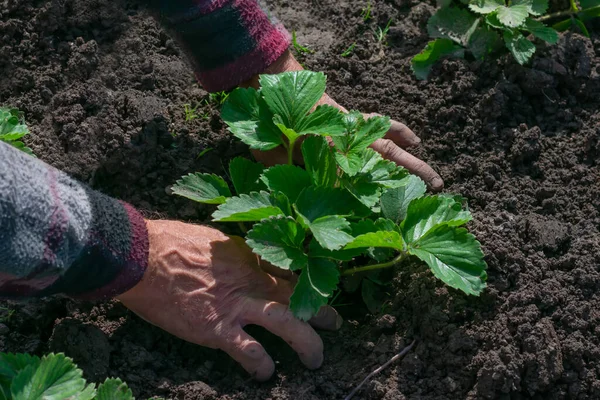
(59, 236)
(227, 41)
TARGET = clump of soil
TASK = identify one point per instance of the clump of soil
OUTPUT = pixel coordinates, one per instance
(104, 88)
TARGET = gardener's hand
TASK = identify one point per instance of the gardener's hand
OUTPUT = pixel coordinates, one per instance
(391, 147)
(204, 286)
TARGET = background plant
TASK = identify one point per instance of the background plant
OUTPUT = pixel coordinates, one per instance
(12, 129)
(348, 211)
(52, 377)
(480, 27)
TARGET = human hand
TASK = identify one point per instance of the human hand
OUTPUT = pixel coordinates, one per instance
(204, 287)
(391, 147)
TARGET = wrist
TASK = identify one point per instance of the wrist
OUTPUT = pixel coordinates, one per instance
(286, 62)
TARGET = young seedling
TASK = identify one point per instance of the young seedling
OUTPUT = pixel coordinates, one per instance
(381, 34)
(480, 27)
(298, 47)
(12, 129)
(54, 376)
(366, 12)
(218, 97)
(349, 50)
(347, 212)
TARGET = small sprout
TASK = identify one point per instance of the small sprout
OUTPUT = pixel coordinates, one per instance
(190, 112)
(218, 97)
(298, 47)
(203, 152)
(349, 50)
(348, 211)
(366, 12)
(381, 34)
(13, 129)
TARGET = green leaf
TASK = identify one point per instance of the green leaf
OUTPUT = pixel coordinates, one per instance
(534, 7)
(581, 26)
(483, 42)
(55, 378)
(203, 188)
(365, 191)
(247, 207)
(245, 175)
(291, 95)
(323, 275)
(331, 231)
(287, 179)
(325, 120)
(422, 63)
(513, 16)
(306, 302)
(426, 213)
(493, 21)
(319, 161)
(374, 173)
(485, 6)
(11, 130)
(10, 366)
(316, 202)
(394, 202)
(114, 389)
(452, 23)
(541, 31)
(280, 241)
(316, 250)
(454, 256)
(360, 134)
(585, 4)
(385, 239)
(281, 201)
(563, 25)
(521, 48)
(250, 120)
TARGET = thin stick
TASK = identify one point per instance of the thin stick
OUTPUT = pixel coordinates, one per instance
(378, 370)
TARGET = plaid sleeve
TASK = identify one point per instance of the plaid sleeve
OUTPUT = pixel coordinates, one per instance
(59, 236)
(228, 41)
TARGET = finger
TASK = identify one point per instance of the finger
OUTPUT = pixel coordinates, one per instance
(399, 133)
(327, 318)
(279, 320)
(392, 152)
(271, 157)
(278, 272)
(250, 354)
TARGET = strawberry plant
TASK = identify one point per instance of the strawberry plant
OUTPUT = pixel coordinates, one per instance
(52, 377)
(480, 27)
(347, 211)
(12, 130)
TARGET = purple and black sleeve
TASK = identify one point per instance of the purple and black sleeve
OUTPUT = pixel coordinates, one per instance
(59, 236)
(227, 41)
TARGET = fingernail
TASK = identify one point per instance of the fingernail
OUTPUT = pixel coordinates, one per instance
(436, 183)
(416, 140)
(338, 322)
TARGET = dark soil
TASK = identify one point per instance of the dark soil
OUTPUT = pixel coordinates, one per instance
(104, 88)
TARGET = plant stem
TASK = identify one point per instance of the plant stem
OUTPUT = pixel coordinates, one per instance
(558, 14)
(243, 227)
(373, 267)
(290, 151)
